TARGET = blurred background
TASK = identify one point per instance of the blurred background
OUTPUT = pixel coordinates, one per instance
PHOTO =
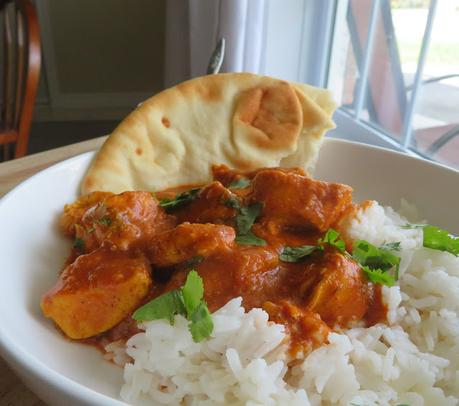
(392, 65)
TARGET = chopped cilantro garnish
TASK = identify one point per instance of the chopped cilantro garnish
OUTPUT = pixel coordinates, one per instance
(379, 276)
(105, 221)
(391, 246)
(296, 254)
(233, 202)
(250, 239)
(241, 183)
(377, 260)
(245, 218)
(194, 261)
(187, 301)
(439, 239)
(78, 244)
(163, 307)
(201, 325)
(180, 200)
(192, 292)
(331, 238)
(409, 226)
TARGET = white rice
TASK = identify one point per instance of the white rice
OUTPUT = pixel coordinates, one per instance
(414, 360)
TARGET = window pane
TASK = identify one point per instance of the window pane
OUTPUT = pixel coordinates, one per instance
(396, 49)
(436, 118)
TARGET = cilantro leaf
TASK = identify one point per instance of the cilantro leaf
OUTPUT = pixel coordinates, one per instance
(180, 200)
(201, 324)
(233, 202)
(439, 239)
(187, 301)
(379, 276)
(391, 246)
(247, 216)
(297, 254)
(105, 221)
(241, 183)
(163, 307)
(250, 239)
(189, 263)
(331, 238)
(410, 226)
(379, 260)
(192, 292)
(78, 244)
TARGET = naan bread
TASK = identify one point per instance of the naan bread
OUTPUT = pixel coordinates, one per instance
(242, 120)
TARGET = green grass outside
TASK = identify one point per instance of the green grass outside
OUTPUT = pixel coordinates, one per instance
(439, 53)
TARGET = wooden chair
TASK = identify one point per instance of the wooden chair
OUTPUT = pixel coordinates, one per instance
(21, 71)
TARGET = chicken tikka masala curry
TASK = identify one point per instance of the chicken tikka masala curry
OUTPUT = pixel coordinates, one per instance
(266, 236)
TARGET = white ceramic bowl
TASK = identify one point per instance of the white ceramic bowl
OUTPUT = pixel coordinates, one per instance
(32, 251)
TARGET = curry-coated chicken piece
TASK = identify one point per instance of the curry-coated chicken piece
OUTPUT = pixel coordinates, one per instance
(306, 329)
(96, 292)
(74, 212)
(294, 200)
(189, 240)
(335, 287)
(208, 206)
(126, 220)
(226, 175)
(242, 271)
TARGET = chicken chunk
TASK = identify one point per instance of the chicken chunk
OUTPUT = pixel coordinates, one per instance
(208, 207)
(127, 220)
(336, 288)
(248, 272)
(226, 175)
(96, 292)
(189, 240)
(73, 213)
(291, 199)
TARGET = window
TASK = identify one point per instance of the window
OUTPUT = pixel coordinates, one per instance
(394, 69)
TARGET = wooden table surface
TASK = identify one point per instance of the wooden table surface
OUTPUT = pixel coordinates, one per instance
(12, 391)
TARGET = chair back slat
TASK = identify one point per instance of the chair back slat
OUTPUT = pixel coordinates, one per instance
(22, 60)
(9, 71)
(20, 67)
(32, 62)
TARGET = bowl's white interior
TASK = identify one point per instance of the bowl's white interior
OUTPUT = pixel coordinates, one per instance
(32, 251)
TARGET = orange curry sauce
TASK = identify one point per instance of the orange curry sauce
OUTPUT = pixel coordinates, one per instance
(128, 250)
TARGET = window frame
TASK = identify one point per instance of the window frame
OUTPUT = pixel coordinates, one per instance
(330, 17)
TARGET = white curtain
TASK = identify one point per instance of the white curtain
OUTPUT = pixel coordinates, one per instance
(193, 28)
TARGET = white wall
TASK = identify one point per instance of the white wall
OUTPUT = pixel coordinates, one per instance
(100, 58)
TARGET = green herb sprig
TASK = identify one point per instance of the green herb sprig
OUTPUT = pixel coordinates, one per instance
(180, 200)
(241, 183)
(187, 301)
(78, 243)
(436, 238)
(441, 240)
(105, 221)
(297, 254)
(375, 262)
(245, 218)
(332, 238)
